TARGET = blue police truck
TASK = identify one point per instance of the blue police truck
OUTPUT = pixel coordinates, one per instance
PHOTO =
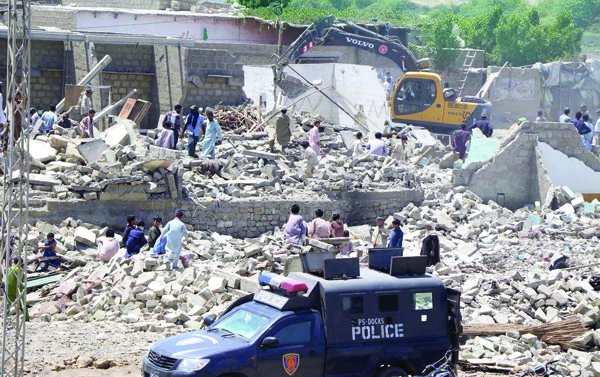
(356, 322)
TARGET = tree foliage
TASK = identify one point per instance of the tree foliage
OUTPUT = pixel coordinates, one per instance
(443, 43)
(263, 3)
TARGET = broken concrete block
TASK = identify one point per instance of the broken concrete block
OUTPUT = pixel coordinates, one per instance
(92, 150)
(85, 236)
(120, 133)
(42, 151)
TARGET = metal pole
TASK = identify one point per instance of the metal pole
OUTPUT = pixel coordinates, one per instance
(15, 206)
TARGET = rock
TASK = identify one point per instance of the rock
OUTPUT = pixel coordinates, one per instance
(217, 284)
(42, 151)
(560, 297)
(169, 300)
(85, 236)
(105, 364)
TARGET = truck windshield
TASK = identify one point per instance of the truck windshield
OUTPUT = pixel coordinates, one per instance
(243, 323)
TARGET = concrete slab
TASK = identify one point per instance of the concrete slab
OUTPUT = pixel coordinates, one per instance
(120, 133)
(42, 151)
(482, 148)
(92, 150)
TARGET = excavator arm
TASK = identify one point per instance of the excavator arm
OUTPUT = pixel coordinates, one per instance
(328, 32)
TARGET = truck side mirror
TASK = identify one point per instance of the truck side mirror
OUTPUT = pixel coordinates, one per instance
(270, 342)
(209, 320)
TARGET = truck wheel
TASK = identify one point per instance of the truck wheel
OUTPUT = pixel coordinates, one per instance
(392, 372)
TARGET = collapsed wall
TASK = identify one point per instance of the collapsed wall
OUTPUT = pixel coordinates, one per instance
(521, 172)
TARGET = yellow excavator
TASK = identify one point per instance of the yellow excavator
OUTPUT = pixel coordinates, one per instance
(418, 97)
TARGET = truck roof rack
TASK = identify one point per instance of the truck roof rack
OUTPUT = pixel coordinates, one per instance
(380, 259)
(343, 268)
(413, 265)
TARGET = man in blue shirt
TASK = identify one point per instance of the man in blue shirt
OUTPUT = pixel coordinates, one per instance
(50, 119)
(397, 235)
(136, 240)
(193, 125)
(484, 125)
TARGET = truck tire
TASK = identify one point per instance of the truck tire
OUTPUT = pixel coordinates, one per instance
(392, 372)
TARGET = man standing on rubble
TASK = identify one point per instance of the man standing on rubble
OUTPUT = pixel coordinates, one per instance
(212, 136)
(431, 246)
(193, 125)
(174, 232)
(85, 102)
(378, 146)
(175, 118)
(314, 138)
(87, 124)
(379, 235)
(283, 130)
(397, 235)
(460, 139)
(565, 118)
(484, 125)
(312, 159)
(49, 118)
(295, 228)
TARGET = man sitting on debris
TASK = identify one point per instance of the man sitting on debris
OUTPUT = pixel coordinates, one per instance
(131, 223)
(154, 232)
(379, 235)
(378, 147)
(193, 125)
(49, 251)
(85, 101)
(397, 235)
(347, 248)
(87, 124)
(50, 119)
(484, 125)
(314, 138)
(108, 246)
(175, 232)
(295, 228)
(565, 118)
(460, 140)
(283, 130)
(136, 240)
(431, 246)
(33, 116)
(167, 137)
(357, 149)
(312, 159)
(336, 226)
(212, 136)
(318, 228)
(540, 116)
(65, 122)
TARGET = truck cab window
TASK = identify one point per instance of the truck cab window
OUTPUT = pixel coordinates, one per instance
(388, 303)
(352, 305)
(297, 333)
(415, 95)
(423, 300)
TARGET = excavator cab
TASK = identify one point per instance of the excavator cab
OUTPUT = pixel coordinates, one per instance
(418, 99)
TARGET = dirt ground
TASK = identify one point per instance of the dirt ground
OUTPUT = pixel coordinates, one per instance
(65, 349)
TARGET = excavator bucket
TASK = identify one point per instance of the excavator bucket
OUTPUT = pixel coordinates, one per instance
(292, 87)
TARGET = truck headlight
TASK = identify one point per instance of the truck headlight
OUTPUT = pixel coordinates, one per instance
(192, 365)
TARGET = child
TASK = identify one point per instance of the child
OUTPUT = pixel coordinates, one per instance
(136, 240)
(48, 251)
(154, 231)
(349, 247)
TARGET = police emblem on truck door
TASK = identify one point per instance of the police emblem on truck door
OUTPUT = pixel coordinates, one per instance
(291, 362)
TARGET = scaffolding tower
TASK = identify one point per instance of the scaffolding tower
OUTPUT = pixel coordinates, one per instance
(15, 188)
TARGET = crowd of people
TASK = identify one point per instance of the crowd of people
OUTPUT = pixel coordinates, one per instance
(589, 131)
(297, 230)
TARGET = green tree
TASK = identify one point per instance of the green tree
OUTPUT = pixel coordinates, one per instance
(262, 3)
(443, 44)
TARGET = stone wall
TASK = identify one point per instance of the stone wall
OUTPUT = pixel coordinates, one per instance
(170, 76)
(132, 67)
(59, 18)
(127, 4)
(217, 77)
(240, 218)
(517, 170)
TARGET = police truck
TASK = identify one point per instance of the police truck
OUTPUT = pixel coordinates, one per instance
(385, 320)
